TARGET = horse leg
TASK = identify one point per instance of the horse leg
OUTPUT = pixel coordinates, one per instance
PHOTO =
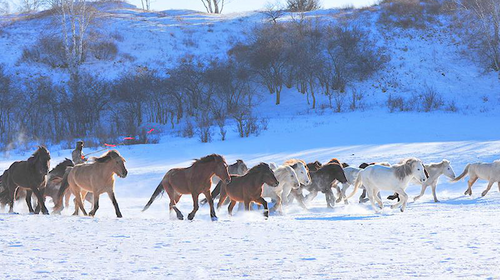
(310, 196)
(13, 193)
(247, 204)
(370, 196)
(195, 206)
(210, 200)
(344, 189)
(402, 202)
(96, 204)
(39, 196)
(377, 198)
(79, 203)
(230, 207)
(424, 187)
(111, 195)
(433, 186)
(28, 201)
(262, 201)
(471, 182)
(67, 196)
(488, 188)
(330, 199)
(362, 197)
(339, 191)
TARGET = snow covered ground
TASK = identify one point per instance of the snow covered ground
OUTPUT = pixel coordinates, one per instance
(454, 238)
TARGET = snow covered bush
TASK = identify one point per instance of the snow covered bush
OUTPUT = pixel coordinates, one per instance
(303, 5)
(408, 13)
(431, 99)
(49, 50)
(104, 50)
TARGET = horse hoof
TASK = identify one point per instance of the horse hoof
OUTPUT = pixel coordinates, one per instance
(402, 210)
(437, 200)
(214, 219)
(190, 217)
(483, 194)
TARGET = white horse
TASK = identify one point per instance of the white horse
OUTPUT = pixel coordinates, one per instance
(395, 178)
(435, 170)
(304, 178)
(286, 177)
(351, 173)
(484, 171)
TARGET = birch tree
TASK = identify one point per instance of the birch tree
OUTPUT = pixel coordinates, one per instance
(213, 6)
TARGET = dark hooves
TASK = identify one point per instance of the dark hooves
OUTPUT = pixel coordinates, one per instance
(190, 217)
(214, 219)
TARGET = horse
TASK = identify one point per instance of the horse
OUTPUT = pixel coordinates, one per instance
(193, 180)
(435, 170)
(29, 175)
(237, 168)
(484, 171)
(304, 176)
(286, 176)
(96, 177)
(248, 188)
(394, 178)
(362, 197)
(322, 181)
(314, 166)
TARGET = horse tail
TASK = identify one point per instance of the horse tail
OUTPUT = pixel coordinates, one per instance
(357, 184)
(466, 171)
(62, 189)
(156, 193)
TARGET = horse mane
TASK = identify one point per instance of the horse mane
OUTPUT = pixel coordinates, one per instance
(439, 164)
(61, 167)
(108, 156)
(258, 167)
(209, 158)
(403, 169)
(38, 153)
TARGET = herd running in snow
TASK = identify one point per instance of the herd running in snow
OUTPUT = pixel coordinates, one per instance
(234, 183)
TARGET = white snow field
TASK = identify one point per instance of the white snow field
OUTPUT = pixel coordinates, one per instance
(456, 238)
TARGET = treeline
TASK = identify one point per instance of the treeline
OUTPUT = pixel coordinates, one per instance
(196, 98)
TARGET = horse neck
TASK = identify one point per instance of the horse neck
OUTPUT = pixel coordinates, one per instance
(205, 171)
(435, 169)
(105, 168)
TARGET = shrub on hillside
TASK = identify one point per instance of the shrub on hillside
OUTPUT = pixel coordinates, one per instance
(408, 13)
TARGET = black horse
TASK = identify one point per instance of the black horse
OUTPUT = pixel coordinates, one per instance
(30, 175)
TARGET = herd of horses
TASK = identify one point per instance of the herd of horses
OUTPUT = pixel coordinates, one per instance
(233, 183)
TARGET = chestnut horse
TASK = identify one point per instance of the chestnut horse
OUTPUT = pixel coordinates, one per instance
(248, 188)
(193, 180)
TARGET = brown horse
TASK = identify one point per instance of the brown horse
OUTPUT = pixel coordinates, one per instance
(192, 180)
(96, 177)
(314, 166)
(29, 175)
(248, 188)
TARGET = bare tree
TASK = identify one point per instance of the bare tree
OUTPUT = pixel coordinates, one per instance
(486, 28)
(146, 4)
(213, 6)
(76, 16)
(273, 11)
(27, 6)
(303, 5)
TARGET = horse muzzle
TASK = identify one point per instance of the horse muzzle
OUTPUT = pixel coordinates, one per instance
(124, 174)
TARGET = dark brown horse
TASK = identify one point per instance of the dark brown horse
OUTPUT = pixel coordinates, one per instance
(322, 181)
(29, 175)
(192, 180)
(314, 166)
(248, 188)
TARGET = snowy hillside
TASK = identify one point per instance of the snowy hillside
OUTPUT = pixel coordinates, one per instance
(419, 58)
